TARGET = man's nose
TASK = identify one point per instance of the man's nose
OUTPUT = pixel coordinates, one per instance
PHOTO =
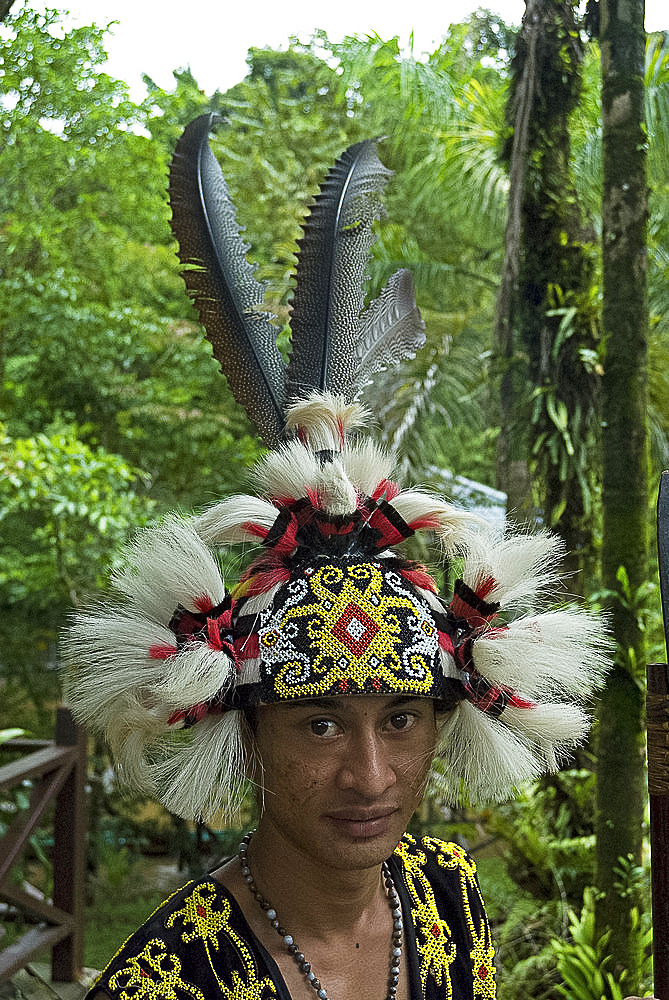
(367, 767)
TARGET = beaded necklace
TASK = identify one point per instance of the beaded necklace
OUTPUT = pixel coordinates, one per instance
(294, 951)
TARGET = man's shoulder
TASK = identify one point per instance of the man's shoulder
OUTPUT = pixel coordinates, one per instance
(193, 912)
(431, 852)
(188, 903)
(446, 910)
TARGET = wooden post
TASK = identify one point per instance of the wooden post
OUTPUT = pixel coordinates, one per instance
(69, 852)
(658, 792)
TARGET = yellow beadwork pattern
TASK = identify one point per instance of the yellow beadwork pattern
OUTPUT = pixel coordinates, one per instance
(207, 925)
(206, 922)
(436, 950)
(348, 629)
(482, 953)
(155, 973)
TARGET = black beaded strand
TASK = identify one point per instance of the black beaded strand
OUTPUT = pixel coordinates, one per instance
(298, 956)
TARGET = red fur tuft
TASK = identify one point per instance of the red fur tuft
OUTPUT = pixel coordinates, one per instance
(387, 487)
(255, 529)
(518, 702)
(203, 603)
(425, 524)
(247, 647)
(193, 714)
(419, 578)
(288, 540)
(446, 642)
(314, 499)
(159, 652)
(214, 633)
(461, 609)
(264, 581)
(484, 586)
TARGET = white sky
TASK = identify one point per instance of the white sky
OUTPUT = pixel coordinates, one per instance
(213, 36)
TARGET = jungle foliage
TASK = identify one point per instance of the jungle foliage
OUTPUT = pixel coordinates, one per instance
(112, 409)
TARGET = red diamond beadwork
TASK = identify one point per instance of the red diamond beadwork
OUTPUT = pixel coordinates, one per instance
(355, 629)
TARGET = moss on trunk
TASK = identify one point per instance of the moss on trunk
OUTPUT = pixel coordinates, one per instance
(546, 320)
(621, 739)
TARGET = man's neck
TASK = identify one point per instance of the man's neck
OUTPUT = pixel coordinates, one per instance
(307, 894)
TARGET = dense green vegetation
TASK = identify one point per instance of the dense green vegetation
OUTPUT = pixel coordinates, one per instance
(112, 409)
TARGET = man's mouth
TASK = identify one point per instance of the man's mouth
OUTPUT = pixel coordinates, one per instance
(362, 823)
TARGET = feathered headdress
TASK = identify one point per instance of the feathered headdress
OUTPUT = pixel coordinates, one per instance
(330, 605)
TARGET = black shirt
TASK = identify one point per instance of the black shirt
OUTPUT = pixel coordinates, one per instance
(198, 945)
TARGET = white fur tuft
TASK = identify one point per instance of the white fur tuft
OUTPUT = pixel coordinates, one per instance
(195, 675)
(558, 652)
(108, 661)
(195, 772)
(166, 566)
(367, 465)
(206, 775)
(124, 674)
(106, 657)
(293, 470)
(324, 420)
(480, 760)
(553, 727)
(523, 567)
(335, 490)
(455, 527)
(288, 471)
(223, 523)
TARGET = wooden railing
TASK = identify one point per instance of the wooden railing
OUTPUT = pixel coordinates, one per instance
(56, 772)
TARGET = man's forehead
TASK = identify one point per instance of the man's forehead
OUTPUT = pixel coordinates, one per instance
(353, 702)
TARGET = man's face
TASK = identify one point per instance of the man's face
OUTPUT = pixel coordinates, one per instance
(342, 776)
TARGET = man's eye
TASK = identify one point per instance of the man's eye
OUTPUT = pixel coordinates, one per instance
(402, 720)
(323, 727)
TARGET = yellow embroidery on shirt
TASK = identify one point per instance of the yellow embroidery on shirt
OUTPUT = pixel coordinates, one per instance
(207, 926)
(482, 953)
(206, 922)
(154, 974)
(482, 956)
(436, 950)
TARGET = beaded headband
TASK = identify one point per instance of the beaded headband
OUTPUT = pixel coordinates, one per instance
(330, 605)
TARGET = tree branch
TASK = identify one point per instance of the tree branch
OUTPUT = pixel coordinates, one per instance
(5, 6)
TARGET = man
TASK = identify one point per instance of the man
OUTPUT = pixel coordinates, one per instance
(337, 681)
(332, 677)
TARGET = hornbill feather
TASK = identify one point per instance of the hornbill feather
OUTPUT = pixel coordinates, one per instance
(221, 281)
(336, 346)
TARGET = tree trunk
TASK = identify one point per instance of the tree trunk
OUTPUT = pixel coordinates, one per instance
(512, 466)
(5, 6)
(544, 322)
(620, 762)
